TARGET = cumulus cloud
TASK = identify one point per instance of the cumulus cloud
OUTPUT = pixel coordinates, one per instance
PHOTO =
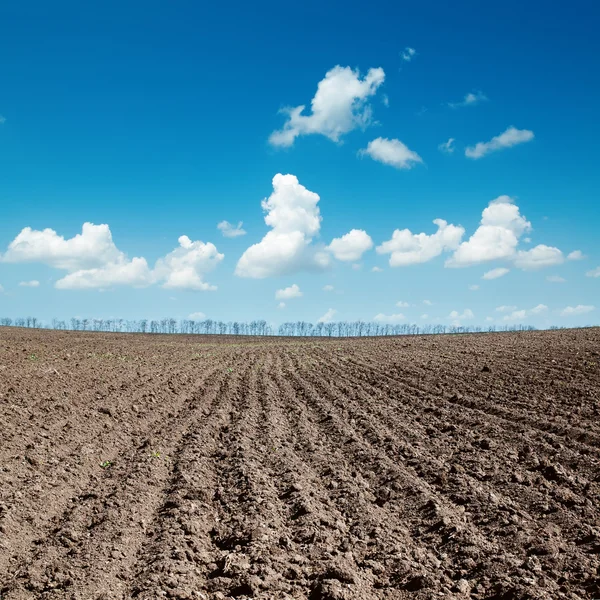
(406, 248)
(408, 54)
(425, 316)
(197, 316)
(328, 316)
(458, 318)
(293, 291)
(555, 279)
(391, 319)
(447, 147)
(539, 257)
(281, 305)
(391, 152)
(339, 106)
(401, 304)
(93, 247)
(328, 288)
(377, 269)
(474, 287)
(470, 99)
(505, 308)
(92, 260)
(351, 246)
(294, 217)
(593, 273)
(580, 309)
(496, 237)
(427, 302)
(495, 273)
(33, 283)
(518, 315)
(576, 255)
(510, 137)
(231, 231)
(184, 268)
(134, 273)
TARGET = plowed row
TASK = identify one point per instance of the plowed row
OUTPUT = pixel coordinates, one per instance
(203, 467)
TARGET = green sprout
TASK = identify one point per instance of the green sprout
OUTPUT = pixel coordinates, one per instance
(106, 464)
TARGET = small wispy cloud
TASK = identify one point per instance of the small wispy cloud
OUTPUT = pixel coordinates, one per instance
(229, 230)
(470, 99)
(2, 120)
(511, 137)
(555, 279)
(447, 147)
(408, 54)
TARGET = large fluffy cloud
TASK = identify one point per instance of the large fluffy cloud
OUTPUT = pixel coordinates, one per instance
(93, 247)
(134, 273)
(511, 137)
(293, 291)
(92, 260)
(339, 106)
(352, 246)
(407, 248)
(184, 268)
(293, 214)
(539, 257)
(391, 152)
(496, 237)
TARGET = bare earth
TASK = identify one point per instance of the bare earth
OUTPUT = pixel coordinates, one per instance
(190, 467)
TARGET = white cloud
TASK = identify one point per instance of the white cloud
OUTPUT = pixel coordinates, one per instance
(351, 246)
(197, 316)
(580, 309)
(496, 237)
(504, 308)
(458, 318)
(425, 316)
(91, 248)
(593, 273)
(1, 290)
(474, 287)
(519, 315)
(184, 268)
(293, 291)
(539, 257)
(427, 302)
(402, 304)
(391, 152)
(377, 269)
(470, 99)
(2, 120)
(231, 231)
(328, 316)
(392, 319)
(294, 216)
(339, 106)
(356, 267)
(408, 54)
(281, 305)
(555, 279)
(134, 273)
(576, 255)
(406, 248)
(447, 147)
(540, 308)
(385, 100)
(328, 288)
(94, 262)
(33, 283)
(510, 137)
(495, 273)
(489, 319)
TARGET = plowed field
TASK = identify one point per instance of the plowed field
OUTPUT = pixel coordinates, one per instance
(191, 467)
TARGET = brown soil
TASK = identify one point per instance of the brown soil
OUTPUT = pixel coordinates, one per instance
(426, 467)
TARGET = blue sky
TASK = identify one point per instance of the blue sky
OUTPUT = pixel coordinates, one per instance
(157, 121)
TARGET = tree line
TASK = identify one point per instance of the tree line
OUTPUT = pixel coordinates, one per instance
(255, 328)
